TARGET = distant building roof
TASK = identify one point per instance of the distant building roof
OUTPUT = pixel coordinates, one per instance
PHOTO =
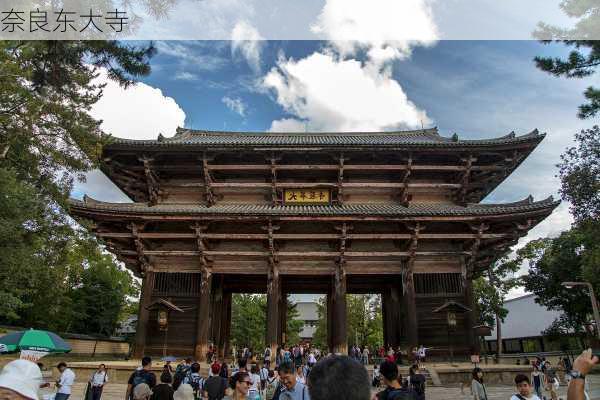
(525, 318)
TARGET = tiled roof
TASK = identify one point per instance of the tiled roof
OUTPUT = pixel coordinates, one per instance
(422, 137)
(391, 210)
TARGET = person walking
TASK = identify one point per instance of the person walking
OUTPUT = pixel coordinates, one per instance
(524, 391)
(477, 386)
(391, 379)
(551, 380)
(65, 381)
(215, 385)
(272, 385)
(240, 383)
(97, 381)
(142, 392)
(537, 379)
(254, 389)
(292, 389)
(139, 376)
(365, 356)
(416, 381)
(264, 375)
(163, 391)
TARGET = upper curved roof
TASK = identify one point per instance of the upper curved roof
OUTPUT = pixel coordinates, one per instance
(388, 210)
(422, 137)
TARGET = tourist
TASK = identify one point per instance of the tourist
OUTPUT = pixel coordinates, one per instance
(97, 381)
(224, 371)
(477, 386)
(300, 377)
(267, 357)
(142, 375)
(20, 380)
(365, 356)
(422, 354)
(163, 391)
(312, 359)
(416, 381)
(376, 377)
(242, 363)
(581, 367)
(142, 392)
(338, 377)
(523, 389)
(254, 389)
(537, 378)
(184, 366)
(214, 387)
(240, 383)
(264, 375)
(291, 388)
(272, 385)
(398, 356)
(551, 380)
(65, 381)
(393, 388)
(194, 379)
(184, 392)
(168, 366)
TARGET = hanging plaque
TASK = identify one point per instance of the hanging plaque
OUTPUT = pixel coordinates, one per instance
(306, 196)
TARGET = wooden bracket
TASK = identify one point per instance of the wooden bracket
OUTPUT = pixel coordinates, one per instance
(209, 195)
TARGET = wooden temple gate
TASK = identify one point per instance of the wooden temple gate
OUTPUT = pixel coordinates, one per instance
(393, 213)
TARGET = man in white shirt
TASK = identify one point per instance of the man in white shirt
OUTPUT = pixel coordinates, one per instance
(64, 383)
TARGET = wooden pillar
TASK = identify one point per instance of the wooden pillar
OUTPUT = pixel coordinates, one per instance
(283, 319)
(385, 300)
(394, 315)
(330, 321)
(410, 309)
(216, 316)
(226, 325)
(273, 314)
(203, 324)
(143, 313)
(470, 321)
(339, 334)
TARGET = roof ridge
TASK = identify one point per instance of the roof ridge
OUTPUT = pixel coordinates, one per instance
(189, 132)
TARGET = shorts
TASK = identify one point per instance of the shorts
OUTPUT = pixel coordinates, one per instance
(263, 384)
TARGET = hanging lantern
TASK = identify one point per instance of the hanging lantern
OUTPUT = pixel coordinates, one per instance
(451, 320)
(163, 322)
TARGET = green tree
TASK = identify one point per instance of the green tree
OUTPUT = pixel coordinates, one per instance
(320, 336)
(584, 59)
(579, 172)
(293, 324)
(46, 90)
(553, 261)
(365, 326)
(490, 291)
(248, 320)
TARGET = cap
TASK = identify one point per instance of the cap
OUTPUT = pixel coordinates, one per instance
(23, 377)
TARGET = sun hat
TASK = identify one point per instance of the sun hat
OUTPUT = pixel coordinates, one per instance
(23, 377)
(184, 392)
(142, 391)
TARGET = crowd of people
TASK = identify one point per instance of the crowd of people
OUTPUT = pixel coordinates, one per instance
(293, 375)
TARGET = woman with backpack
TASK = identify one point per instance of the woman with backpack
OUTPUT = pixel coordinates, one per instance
(271, 385)
(477, 386)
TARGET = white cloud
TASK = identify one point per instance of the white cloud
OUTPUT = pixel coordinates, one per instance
(336, 94)
(287, 125)
(235, 104)
(138, 112)
(247, 41)
(385, 29)
(184, 76)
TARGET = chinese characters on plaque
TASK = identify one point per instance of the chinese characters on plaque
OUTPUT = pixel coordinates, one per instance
(306, 196)
(14, 21)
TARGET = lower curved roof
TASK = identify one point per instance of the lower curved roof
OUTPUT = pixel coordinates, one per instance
(89, 205)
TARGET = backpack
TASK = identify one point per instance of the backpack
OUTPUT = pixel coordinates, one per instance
(179, 377)
(139, 377)
(417, 383)
(271, 389)
(400, 394)
(196, 381)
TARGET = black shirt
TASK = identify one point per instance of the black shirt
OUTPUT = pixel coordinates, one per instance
(162, 391)
(215, 387)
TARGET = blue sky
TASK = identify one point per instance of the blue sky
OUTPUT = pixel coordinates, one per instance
(478, 89)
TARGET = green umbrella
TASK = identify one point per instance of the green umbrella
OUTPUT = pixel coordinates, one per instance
(34, 340)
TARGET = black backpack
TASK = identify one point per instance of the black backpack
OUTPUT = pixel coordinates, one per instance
(417, 383)
(401, 394)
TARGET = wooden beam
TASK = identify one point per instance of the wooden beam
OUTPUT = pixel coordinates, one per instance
(143, 315)
(464, 179)
(209, 196)
(404, 190)
(300, 236)
(340, 179)
(152, 181)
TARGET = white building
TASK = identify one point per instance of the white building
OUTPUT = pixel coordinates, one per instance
(523, 326)
(306, 304)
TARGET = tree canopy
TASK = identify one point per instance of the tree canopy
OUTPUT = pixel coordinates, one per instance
(54, 275)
